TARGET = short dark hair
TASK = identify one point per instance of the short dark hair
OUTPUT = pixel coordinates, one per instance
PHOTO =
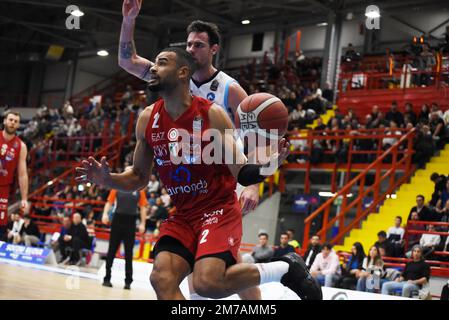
(327, 245)
(210, 28)
(263, 234)
(399, 217)
(382, 234)
(434, 176)
(291, 230)
(284, 234)
(183, 58)
(315, 235)
(27, 216)
(421, 196)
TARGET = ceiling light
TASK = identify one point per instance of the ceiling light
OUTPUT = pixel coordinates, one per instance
(103, 53)
(246, 22)
(322, 24)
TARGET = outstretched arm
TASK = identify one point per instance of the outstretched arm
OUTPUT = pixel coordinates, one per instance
(130, 180)
(127, 55)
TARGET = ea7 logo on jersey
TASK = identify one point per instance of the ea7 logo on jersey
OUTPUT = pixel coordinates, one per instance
(157, 136)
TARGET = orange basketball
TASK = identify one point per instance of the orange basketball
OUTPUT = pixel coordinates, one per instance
(260, 112)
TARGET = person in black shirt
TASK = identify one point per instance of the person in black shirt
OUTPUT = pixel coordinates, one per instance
(30, 232)
(313, 249)
(284, 247)
(395, 115)
(74, 241)
(438, 129)
(424, 212)
(416, 274)
(410, 114)
(440, 184)
(383, 242)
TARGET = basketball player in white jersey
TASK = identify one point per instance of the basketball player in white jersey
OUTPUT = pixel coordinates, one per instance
(207, 82)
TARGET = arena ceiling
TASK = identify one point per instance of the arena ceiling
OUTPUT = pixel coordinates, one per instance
(28, 27)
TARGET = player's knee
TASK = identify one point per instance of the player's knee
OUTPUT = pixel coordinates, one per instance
(205, 286)
(161, 280)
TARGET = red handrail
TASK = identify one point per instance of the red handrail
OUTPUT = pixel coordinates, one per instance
(374, 189)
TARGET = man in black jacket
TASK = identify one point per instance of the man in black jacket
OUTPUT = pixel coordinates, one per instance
(30, 232)
(76, 239)
(424, 212)
(313, 249)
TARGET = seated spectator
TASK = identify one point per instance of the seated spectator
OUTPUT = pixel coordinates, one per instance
(262, 252)
(284, 247)
(291, 239)
(29, 233)
(326, 267)
(383, 242)
(74, 241)
(429, 241)
(445, 292)
(438, 129)
(424, 146)
(440, 181)
(373, 272)
(413, 238)
(350, 271)
(395, 235)
(166, 200)
(13, 234)
(392, 131)
(58, 237)
(415, 276)
(313, 250)
(153, 185)
(156, 215)
(444, 196)
(424, 212)
(444, 216)
(297, 117)
(410, 114)
(395, 115)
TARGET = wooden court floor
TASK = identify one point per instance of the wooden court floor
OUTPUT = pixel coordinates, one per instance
(22, 283)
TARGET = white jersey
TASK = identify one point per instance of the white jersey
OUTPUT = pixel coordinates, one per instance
(215, 89)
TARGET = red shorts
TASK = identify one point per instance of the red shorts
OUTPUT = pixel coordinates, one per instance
(218, 230)
(4, 195)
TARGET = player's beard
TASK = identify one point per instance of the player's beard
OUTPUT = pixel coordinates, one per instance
(10, 131)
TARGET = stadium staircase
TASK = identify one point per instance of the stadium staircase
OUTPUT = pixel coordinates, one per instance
(400, 205)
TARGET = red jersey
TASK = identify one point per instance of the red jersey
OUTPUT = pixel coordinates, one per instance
(193, 187)
(9, 158)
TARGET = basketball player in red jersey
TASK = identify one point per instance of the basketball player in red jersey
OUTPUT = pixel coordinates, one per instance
(204, 234)
(207, 82)
(13, 154)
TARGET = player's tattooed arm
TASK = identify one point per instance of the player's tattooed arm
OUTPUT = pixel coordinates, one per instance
(127, 50)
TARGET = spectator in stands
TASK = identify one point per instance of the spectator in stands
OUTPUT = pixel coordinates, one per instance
(262, 252)
(424, 146)
(429, 241)
(412, 238)
(166, 200)
(351, 270)
(392, 131)
(157, 214)
(29, 234)
(446, 120)
(426, 63)
(395, 115)
(440, 181)
(437, 128)
(291, 239)
(328, 93)
(445, 289)
(13, 230)
(297, 117)
(152, 199)
(444, 216)
(313, 250)
(443, 198)
(284, 247)
(415, 276)
(326, 267)
(74, 241)
(424, 212)
(58, 237)
(373, 271)
(395, 236)
(153, 185)
(410, 114)
(382, 241)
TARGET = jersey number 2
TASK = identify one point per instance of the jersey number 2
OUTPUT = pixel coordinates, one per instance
(156, 119)
(204, 235)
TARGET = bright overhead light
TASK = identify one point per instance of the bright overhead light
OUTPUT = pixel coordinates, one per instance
(246, 21)
(49, 183)
(89, 184)
(327, 194)
(372, 14)
(103, 53)
(77, 13)
(322, 24)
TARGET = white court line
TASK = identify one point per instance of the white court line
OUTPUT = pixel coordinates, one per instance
(51, 269)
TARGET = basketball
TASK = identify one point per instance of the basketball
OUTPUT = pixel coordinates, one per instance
(262, 111)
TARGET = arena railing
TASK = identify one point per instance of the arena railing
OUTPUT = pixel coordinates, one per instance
(347, 144)
(359, 182)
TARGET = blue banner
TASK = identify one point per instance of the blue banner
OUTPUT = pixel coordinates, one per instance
(23, 253)
(301, 203)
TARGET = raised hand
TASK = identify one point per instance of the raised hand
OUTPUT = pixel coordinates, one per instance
(93, 171)
(131, 8)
